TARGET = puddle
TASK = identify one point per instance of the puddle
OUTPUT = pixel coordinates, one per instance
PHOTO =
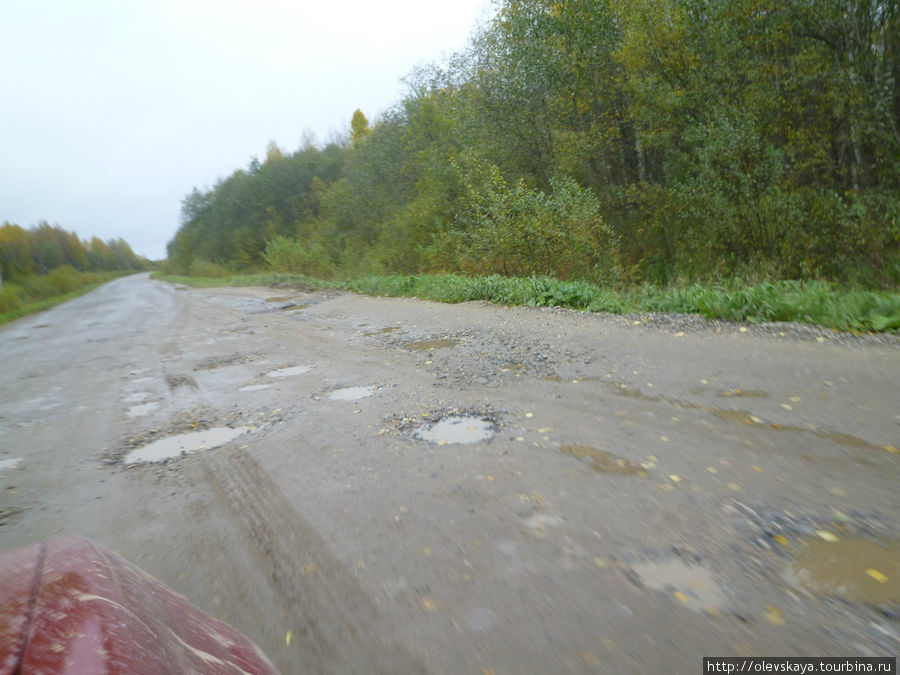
(855, 569)
(352, 393)
(138, 396)
(280, 299)
(9, 463)
(175, 381)
(388, 329)
(292, 306)
(468, 429)
(693, 585)
(553, 378)
(141, 410)
(288, 372)
(602, 461)
(744, 393)
(430, 345)
(255, 387)
(175, 446)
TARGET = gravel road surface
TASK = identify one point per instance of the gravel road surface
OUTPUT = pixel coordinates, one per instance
(371, 485)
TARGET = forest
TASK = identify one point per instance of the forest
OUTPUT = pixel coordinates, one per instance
(616, 142)
(46, 261)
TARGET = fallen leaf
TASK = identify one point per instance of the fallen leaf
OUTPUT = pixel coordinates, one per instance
(287, 637)
(674, 478)
(743, 329)
(891, 449)
(877, 576)
(826, 535)
(774, 615)
(756, 468)
(781, 539)
(664, 439)
(734, 486)
(601, 563)
(429, 605)
(787, 407)
(529, 414)
(683, 597)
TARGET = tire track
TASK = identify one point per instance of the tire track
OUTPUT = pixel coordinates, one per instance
(334, 624)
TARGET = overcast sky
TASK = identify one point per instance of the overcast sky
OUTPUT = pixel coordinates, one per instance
(112, 110)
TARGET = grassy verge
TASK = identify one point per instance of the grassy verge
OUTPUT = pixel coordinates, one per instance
(804, 301)
(30, 305)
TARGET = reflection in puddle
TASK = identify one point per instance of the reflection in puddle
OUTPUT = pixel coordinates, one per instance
(855, 569)
(467, 429)
(9, 463)
(141, 410)
(175, 446)
(288, 372)
(693, 585)
(255, 387)
(352, 393)
(605, 462)
(429, 345)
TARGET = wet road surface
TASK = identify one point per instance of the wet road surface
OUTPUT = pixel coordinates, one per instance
(390, 485)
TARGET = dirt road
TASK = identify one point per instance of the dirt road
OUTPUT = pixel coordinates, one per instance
(629, 497)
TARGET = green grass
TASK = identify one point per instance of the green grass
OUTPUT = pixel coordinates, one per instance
(28, 306)
(811, 302)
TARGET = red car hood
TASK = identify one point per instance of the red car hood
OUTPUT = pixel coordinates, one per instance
(69, 606)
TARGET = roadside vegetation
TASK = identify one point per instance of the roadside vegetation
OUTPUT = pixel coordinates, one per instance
(46, 265)
(811, 302)
(735, 159)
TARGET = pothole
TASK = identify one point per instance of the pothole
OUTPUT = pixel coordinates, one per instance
(9, 463)
(137, 397)
(383, 331)
(692, 585)
(855, 569)
(141, 410)
(430, 345)
(255, 387)
(183, 444)
(457, 429)
(602, 461)
(352, 393)
(288, 372)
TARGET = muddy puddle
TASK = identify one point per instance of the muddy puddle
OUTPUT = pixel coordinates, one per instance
(854, 569)
(182, 444)
(457, 429)
(602, 461)
(255, 387)
(692, 585)
(430, 345)
(9, 463)
(383, 331)
(352, 393)
(142, 409)
(288, 372)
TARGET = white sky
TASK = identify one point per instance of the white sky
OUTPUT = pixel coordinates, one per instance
(111, 111)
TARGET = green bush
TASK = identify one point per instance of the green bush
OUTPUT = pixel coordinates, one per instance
(290, 256)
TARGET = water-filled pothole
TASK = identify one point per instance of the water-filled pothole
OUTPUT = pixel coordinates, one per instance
(352, 393)
(9, 463)
(142, 409)
(693, 585)
(457, 429)
(255, 387)
(288, 372)
(602, 461)
(855, 569)
(430, 345)
(181, 444)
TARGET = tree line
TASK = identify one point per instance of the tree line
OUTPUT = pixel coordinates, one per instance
(605, 140)
(44, 248)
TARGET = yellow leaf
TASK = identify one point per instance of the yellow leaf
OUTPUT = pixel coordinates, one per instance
(826, 535)
(734, 486)
(774, 615)
(529, 414)
(877, 576)
(683, 597)
(781, 539)
(756, 468)
(891, 449)
(712, 469)
(287, 637)
(674, 478)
